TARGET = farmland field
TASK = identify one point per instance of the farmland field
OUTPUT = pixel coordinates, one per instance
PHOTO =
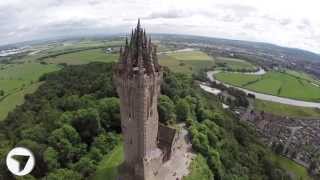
(14, 99)
(233, 64)
(21, 75)
(82, 57)
(286, 110)
(236, 78)
(190, 55)
(17, 80)
(274, 83)
(186, 62)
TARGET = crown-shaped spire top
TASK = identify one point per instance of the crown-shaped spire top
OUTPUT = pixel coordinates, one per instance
(139, 53)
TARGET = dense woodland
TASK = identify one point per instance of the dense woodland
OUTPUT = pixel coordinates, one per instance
(72, 121)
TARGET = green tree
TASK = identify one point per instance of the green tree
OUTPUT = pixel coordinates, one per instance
(105, 142)
(87, 123)
(51, 157)
(182, 110)
(166, 110)
(26, 177)
(109, 109)
(95, 155)
(64, 174)
(67, 143)
(85, 166)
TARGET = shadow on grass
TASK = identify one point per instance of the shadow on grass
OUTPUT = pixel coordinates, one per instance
(108, 167)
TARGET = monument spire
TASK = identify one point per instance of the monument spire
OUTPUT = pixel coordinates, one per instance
(138, 52)
(138, 77)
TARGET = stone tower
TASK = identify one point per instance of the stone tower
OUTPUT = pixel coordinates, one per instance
(138, 77)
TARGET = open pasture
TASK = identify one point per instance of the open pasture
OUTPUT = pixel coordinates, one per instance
(19, 76)
(15, 98)
(188, 62)
(83, 57)
(286, 110)
(274, 83)
(16, 80)
(234, 64)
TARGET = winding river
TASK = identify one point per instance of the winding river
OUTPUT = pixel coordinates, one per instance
(267, 97)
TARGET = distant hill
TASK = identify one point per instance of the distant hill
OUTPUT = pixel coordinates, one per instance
(258, 48)
(254, 48)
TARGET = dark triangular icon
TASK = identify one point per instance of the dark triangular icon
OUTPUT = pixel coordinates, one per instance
(22, 159)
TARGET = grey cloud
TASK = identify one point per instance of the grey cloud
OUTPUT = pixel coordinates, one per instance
(170, 14)
(30, 19)
(238, 9)
(94, 2)
(304, 25)
(285, 22)
(229, 18)
(280, 21)
(250, 26)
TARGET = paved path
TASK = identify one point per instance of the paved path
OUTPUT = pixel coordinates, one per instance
(267, 97)
(178, 165)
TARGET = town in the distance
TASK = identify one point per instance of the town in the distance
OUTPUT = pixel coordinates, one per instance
(160, 106)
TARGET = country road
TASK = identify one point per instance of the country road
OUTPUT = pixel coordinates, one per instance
(267, 97)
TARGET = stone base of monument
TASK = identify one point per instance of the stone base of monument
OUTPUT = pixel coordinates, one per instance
(175, 168)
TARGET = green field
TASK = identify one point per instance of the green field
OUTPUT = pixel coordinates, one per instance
(16, 98)
(17, 80)
(302, 75)
(21, 76)
(274, 83)
(83, 57)
(187, 62)
(286, 110)
(190, 56)
(298, 171)
(236, 79)
(233, 64)
(107, 169)
(199, 170)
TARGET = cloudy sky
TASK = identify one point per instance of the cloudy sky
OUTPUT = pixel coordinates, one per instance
(293, 23)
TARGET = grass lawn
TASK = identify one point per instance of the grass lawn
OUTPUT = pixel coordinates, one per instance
(14, 99)
(234, 64)
(236, 79)
(83, 57)
(286, 110)
(20, 77)
(107, 169)
(17, 80)
(302, 75)
(295, 169)
(199, 170)
(187, 62)
(26, 71)
(274, 83)
(190, 55)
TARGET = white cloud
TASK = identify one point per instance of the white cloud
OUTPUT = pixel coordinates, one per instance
(294, 23)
